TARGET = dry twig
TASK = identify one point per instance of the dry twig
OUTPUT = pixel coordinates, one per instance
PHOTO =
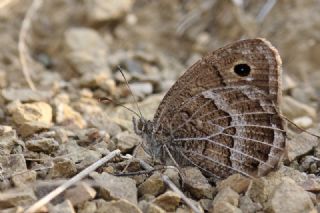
(43, 201)
(23, 49)
(267, 7)
(174, 188)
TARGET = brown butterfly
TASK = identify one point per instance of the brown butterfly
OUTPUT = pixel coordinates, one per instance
(222, 114)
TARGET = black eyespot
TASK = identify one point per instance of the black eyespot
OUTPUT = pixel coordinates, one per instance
(242, 69)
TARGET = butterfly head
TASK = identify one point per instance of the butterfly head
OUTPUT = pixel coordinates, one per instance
(144, 128)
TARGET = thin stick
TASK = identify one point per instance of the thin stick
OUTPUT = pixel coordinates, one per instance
(298, 127)
(43, 201)
(23, 49)
(193, 16)
(174, 188)
(267, 7)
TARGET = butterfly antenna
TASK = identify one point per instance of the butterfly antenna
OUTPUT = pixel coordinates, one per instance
(291, 122)
(104, 100)
(134, 97)
(298, 127)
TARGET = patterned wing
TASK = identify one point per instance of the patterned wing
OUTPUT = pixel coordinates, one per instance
(222, 115)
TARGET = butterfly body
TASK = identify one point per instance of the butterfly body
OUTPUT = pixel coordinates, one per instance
(222, 114)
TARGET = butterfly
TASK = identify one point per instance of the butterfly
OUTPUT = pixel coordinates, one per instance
(222, 115)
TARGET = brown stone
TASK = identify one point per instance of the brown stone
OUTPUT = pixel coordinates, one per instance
(67, 116)
(118, 206)
(126, 141)
(227, 195)
(80, 193)
(86, 50)
(236, 182)
(8, 139)
(154, 185)
(168, 201)
(300, 145)
(12, 165)
(25, 95)
(64, 207)
(99, 10)
(148, 207)
(197, 184)
(17, 197)
(46, 145)
(225, 207)
(112, 187)
(289, 197)
(24, 178)
(32, 117)
(62, 168)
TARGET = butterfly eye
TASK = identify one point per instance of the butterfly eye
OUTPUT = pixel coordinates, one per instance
(242, 69)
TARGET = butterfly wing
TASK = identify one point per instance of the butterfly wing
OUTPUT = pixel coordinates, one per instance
(222, 114)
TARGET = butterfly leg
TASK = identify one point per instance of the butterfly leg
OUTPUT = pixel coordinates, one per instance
(176, 165)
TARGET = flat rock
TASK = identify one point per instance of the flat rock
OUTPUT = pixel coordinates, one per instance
(103, 122)
(18, 209)
(86, 50)
(126, 141)
(148, 106)
(62, 168)
(25, 95)
(206, 204)
(17, 197)
(168, 201)
(62, 135)
(8, 139)
(289, 197)
(248, 206)
(46, 145)
(304, 122)
(141, 89)
(148, 207)
(118, 206)
(293, 108)
(300, 145)
(67, 116)
(24, 178)
(32, 117)
(227, 195)
(80, 194)
(236, 182)
(87, 207)
(100, 10)
(112, 187)
(64, 207)
(37, 111)
(197, 184)
(154, 185)
(288, 83)
(12, 165)
(100, 80)
(225, 207)
(262, 187)
(77, 154)
(3, 79)
(174, 175)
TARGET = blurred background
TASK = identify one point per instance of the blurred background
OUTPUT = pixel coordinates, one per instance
(74, 47)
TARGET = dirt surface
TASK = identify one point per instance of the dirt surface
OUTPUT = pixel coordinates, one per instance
(71, 51)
